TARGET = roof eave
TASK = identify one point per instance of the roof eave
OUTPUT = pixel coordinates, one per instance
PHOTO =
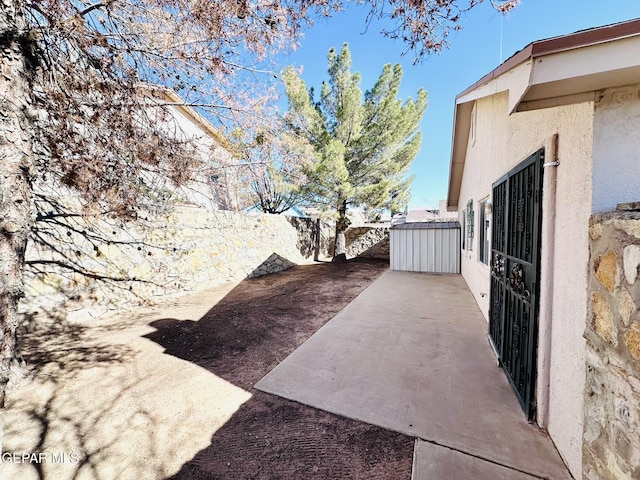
(459, 141)
(548, 46)
(176, 101)
(567, 74)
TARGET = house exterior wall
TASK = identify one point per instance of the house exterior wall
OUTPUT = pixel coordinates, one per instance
(611, 444)
(499, 142)
(616, 146)
(212, 184)
(563, 291)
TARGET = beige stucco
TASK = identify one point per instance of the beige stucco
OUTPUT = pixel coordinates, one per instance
(499, 142)
(213, 154)
(616, 148)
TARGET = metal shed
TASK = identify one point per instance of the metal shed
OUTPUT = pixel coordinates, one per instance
(425, 247)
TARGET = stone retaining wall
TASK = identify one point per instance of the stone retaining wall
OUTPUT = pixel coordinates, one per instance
(369, 242)
(91, 265)
(611, 441)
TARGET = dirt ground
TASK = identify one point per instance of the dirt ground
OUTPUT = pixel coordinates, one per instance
(253, 329)
(240, 338)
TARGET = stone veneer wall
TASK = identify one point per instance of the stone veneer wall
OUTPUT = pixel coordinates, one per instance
(368, 242)
(158, 257)
(611, 441)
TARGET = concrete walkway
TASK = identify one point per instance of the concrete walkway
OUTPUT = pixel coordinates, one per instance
(410, 354)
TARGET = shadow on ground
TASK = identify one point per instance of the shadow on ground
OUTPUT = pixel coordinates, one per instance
(67, 426)
(168, 392)
(242, 338)
(103, 402)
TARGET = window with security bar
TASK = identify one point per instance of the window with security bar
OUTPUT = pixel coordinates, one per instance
(484, 224)
(470, 223)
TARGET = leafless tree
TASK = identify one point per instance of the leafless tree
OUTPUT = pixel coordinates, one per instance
(74, 78)
(271, 169)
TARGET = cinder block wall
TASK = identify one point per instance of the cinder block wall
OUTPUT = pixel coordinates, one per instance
(611, 441)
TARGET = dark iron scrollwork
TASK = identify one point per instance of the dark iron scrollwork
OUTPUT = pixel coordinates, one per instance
(497, 265)
(520, 225)
(516, 281)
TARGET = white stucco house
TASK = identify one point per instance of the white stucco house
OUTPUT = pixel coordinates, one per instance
(539, 144)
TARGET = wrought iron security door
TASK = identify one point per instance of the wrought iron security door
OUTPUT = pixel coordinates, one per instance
(515, 255)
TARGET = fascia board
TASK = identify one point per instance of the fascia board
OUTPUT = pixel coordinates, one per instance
(574, 76)
(516, 81)
(586, 61)
(459, 142)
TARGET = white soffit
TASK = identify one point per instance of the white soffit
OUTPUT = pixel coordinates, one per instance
(516, 81)
(559, 71)
(462, 125)
(575, 75)
(565, 77)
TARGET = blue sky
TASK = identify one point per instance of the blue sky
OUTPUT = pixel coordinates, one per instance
(474, 51)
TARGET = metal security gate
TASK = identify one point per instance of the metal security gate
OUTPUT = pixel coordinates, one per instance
(513, 312)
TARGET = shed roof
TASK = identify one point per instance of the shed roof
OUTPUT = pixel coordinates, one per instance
(424, 225)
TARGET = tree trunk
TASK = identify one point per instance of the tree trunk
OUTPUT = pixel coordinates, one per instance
(317, 240)
(340, 248)
(16, 156)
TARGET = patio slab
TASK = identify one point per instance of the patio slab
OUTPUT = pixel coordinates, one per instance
(411, 354)
(435, 462)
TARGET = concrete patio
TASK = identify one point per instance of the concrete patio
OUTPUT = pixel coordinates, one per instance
(410, 354)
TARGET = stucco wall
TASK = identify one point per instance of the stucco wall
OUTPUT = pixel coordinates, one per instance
(616, 148)
(500, 143)
(564, 282)
(612, 396)
(184, 124)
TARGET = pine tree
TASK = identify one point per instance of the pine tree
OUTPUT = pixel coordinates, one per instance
(363, 145)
